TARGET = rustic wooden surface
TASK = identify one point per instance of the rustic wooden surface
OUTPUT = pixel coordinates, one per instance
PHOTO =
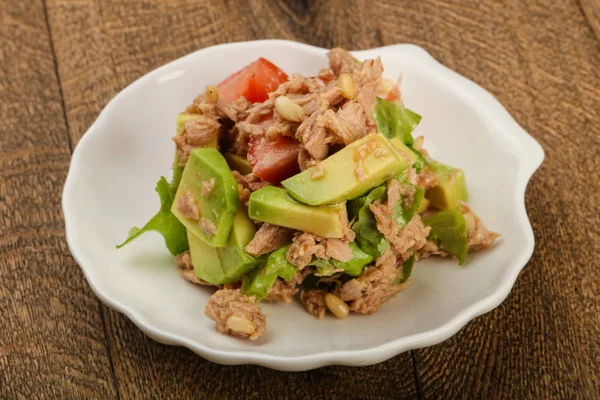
(60, 63)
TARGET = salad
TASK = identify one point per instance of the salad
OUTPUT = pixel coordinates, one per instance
(312, 185)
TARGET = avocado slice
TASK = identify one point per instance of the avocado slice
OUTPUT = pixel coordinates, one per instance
(349, 173)
(273, 205)
(217, 210)
(205, 260)
(235, 261)
(260, 280)
(219, 265)
(451, 189)
(449, 231)
(353, 267)
(238, 163)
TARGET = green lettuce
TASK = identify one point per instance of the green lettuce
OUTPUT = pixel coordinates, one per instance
(395, 121)
(164, 222)
(404, 273)
(353, 267)
(369, 239)
(449, 232)
(260, 280)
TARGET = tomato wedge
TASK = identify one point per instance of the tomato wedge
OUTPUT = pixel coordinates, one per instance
(273, 160)
(255, 81)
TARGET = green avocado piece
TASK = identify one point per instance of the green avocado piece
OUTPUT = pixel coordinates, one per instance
(217, 210)
(449, 231)
(395, 121)
(238, 163)
(349, 173)
(368, 237)
(219, 265)
(234, 259)
(451, 189)
(273, 205)
(205, 260)
(260, 280)
(353, 267)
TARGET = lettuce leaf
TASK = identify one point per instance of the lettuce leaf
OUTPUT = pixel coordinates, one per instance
(368, 238)
(353, 267)
(404, 273)
(260, 280)
(395, 121)
(164, 222)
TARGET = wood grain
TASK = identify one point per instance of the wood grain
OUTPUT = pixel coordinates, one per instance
(591, 8)
(52, 341)
(539, 58)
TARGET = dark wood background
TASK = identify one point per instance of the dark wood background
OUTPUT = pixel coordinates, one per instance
(60, 63)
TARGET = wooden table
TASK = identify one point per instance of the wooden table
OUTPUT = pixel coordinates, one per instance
(61, 61)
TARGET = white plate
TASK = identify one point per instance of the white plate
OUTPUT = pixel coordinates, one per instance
(110, 187)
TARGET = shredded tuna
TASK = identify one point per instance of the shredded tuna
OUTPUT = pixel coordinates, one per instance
(207, 187)
(341, 61)
(373, 287)
(187, 206)
(195, 134)
(410, 237)
(479, 237)
(268, 238)
(427, 179)
(349, 234)
(227, 303)
(430, 249)
(314, 302)
(352, 115)
(284, 291)
(208, 226)
(305, 245)
(247, 184)
(313, 136)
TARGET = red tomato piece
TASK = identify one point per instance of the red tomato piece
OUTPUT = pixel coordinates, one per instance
(255, 81)
(273, 160)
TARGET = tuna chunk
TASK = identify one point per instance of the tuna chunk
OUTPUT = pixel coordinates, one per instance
(341, 61)
(305, 245)
(268, 238)
(373, 287)
(187, 206)
(479, 237)
(247, 184)
(410, 237)
(314, 302)
(235, 314)
(284, 291)
(196, 133)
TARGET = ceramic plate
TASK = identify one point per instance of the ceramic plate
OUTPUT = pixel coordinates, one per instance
(114, 169)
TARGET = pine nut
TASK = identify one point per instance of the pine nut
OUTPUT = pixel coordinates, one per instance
(346, 84)
(336, 306)
(470, 221)
(288, 109)
(239, 323)
(212, 93)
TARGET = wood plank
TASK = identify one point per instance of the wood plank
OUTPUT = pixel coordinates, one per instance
(52, 341)
(101, 47)
(591, 9)
(543, 63)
